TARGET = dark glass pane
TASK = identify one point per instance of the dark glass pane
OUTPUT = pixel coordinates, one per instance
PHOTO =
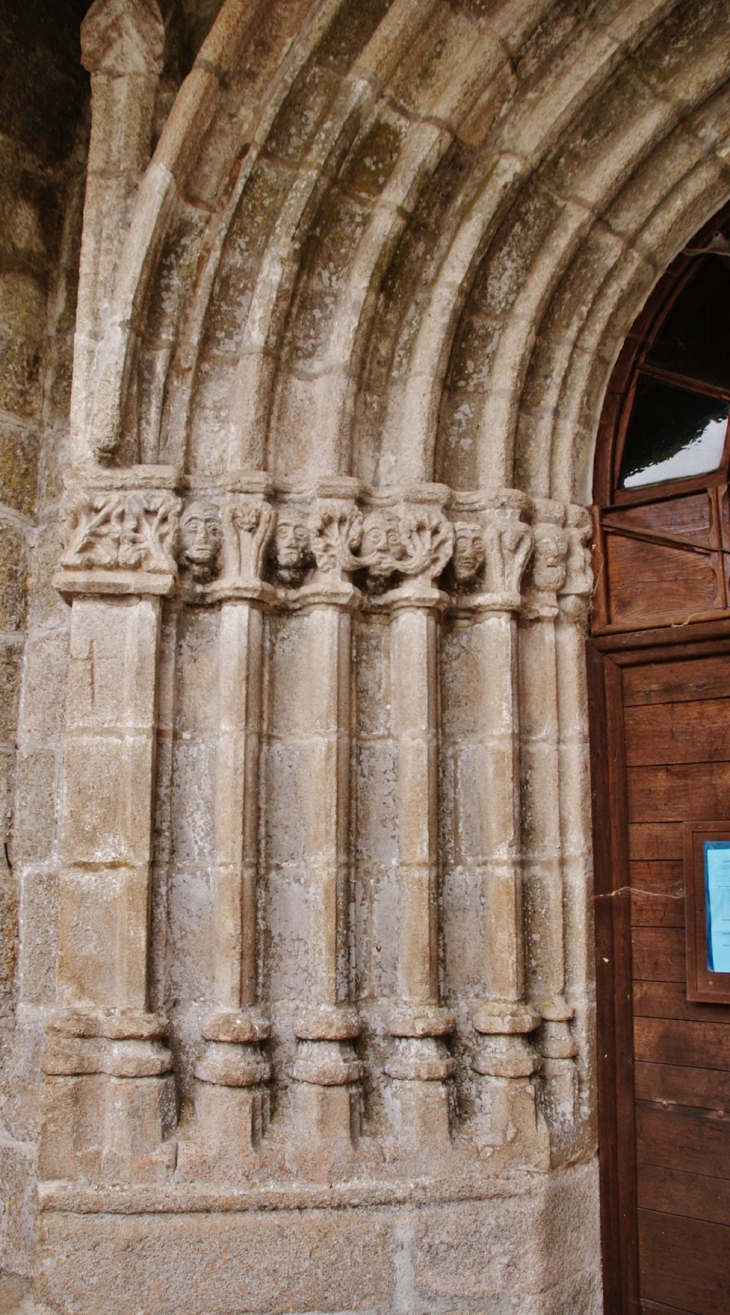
(673, 433)
(695, 337)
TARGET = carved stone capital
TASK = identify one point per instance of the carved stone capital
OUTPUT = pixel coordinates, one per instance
(223, 545)
(248, 526)
(291, 552)
(549, 562)
(490, 557)
(406, 547)
(118, 532)
(336, 528)
(577, 589)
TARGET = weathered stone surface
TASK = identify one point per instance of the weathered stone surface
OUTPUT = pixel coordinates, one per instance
(300, 776)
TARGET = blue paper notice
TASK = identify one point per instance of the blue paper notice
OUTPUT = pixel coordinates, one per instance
(717, 904)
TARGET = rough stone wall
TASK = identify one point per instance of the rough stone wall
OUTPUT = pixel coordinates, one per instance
(43, 129)
(307, 879)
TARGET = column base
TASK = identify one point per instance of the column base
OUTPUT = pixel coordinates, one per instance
(420, 1115)
(506, 1115)
(325, 1092)
(230, 1124)
(325, 1095)
(230, 1064)
(101, 1128)
(559, 1099)
(326, 1117)
(419, 1100)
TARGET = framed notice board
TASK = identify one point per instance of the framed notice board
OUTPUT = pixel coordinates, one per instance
(707, 910)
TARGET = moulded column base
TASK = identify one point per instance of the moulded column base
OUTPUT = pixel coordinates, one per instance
(100, 1128)
(559, 1099)
(505, 1056)
(230, 1123)
(420, 1116)
(326, 1117)
(506, 1114)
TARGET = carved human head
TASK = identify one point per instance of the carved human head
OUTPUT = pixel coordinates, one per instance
(469, 553)
(292, 549)
(382, 547)
(549, 560)
(200, 541)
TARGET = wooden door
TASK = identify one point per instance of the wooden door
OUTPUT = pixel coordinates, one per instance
(659, 679)
(664, 714)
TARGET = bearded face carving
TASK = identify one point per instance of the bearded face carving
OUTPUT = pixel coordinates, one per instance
(291, 551)
(382, 548)
(200, 541)
(549, 561)
(469, 554)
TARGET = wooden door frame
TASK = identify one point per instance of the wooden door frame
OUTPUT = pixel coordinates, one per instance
(606, 656)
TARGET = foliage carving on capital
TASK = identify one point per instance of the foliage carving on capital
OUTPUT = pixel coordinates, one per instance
(410, 542)
(119, 530)
(509, 544)
(248, 526)
(490, 557)
(336, 530)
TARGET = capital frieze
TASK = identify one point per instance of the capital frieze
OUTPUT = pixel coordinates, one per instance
(128, 531)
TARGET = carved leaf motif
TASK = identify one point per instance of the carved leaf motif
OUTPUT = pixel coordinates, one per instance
(508, 545)
(429, 541)
(336, 533)
(416, 542)
(247, 531)
(119, 530)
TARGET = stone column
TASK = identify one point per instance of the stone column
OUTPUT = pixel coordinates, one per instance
(222, 558)
(490, 557)
(408, 548)
(559, 1064)
(542, 838)
(108, 1099)
(326, 1070)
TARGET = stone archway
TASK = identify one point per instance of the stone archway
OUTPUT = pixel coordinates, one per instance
(325, 807)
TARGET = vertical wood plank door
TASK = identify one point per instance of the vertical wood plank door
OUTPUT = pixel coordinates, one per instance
(659, 682)
(662, 717)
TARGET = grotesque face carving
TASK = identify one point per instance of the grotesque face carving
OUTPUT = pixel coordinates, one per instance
(469, 553)
(548, 563)
(292, 550)
(382, 548)
(200, 540)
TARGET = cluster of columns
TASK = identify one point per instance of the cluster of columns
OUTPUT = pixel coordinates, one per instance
(323, 552)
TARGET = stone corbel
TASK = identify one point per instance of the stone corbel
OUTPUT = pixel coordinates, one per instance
(118, 531)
